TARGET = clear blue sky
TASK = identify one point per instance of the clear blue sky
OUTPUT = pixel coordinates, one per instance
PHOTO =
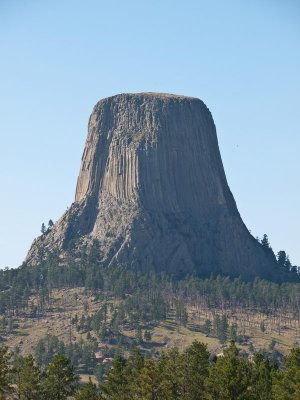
(58, 58)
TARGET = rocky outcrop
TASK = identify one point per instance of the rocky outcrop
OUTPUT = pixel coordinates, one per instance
(152, 190)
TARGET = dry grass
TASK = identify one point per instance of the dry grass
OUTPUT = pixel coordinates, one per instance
(67, 303)
(57, 321)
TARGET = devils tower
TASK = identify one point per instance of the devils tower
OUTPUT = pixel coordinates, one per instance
(153, 192)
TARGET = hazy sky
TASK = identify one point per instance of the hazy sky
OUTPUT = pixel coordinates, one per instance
(58, 58)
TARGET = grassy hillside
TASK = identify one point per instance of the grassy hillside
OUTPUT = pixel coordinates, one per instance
(256, 330)
(93, 314)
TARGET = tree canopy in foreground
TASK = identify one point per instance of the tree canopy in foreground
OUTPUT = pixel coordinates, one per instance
(193, 374)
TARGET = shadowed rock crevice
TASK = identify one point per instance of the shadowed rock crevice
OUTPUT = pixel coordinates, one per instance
(153, 191)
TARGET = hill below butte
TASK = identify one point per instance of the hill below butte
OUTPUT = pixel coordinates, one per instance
(153, 192)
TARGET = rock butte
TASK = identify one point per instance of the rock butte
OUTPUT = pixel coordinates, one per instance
(152, 190)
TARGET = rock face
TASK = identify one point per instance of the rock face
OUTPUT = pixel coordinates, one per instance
(152, 190)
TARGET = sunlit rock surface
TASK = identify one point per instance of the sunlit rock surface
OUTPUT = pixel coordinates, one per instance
(152, 190)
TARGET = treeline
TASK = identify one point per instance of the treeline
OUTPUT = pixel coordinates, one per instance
(81, 354)
(193, 374)
(152, 292)
(24, 379)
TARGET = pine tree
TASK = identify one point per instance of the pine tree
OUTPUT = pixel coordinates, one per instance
(181, 314)
(262, 327)
(139, 335)
(221, 328)
(27, 378)
(148, 383)
(135, 364)
(230, 377)
(147, 336)
(233, 332)
(265, 242)
(5, 376)
(195, 364)
(287, 384)
(172, 375)
(61, 379)
(115, 386)
(262, 378)
(87, 392)
(281, 258)
(266, 246)
(288, 264)
(207, 326)
(43, 228)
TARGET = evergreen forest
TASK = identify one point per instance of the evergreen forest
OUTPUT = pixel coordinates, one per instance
(116, 333)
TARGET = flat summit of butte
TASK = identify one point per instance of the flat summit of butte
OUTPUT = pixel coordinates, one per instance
(153, 195)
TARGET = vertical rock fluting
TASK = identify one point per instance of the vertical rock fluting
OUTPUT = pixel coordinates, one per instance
(153, 191)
